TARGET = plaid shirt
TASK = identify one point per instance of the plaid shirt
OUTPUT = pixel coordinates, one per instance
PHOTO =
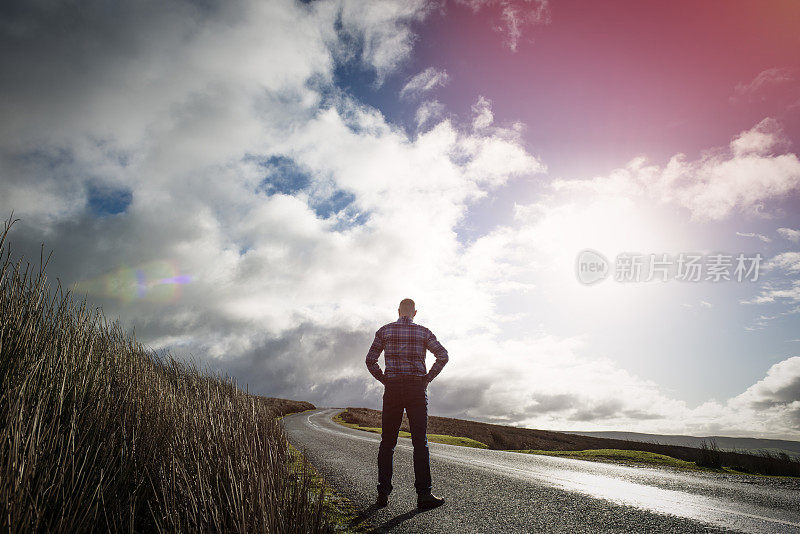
(405, 344)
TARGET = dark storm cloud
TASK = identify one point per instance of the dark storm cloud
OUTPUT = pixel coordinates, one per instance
(778, 393)
(64, 55)
(545, 403)
(601, 410)
(787, 394)
(458, 399)
(308, 362)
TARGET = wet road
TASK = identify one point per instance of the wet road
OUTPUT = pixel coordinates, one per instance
(497, 491)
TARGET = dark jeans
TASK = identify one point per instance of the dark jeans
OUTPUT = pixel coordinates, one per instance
(409, 393)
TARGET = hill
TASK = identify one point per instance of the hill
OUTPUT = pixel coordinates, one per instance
(726, 443)
(514, 438)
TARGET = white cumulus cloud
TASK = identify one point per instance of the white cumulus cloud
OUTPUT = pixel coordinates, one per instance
(755, 170)
(790, 234)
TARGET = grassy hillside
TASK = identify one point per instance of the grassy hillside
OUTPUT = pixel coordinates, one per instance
(281, 407)
(725, 443)
(97, 434)
(530, 440)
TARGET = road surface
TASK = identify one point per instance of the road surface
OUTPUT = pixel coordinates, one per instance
(497, 491)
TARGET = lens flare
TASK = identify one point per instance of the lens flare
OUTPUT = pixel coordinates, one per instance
(158, 281)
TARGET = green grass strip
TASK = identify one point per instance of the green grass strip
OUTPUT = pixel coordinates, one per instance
(436, 438)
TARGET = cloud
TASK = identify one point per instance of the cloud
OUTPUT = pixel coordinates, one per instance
(788, 262)
(512, 17)
(777, 395)
(770, 408)
(743, 178)
(423, 82)
(760, 237)
(376, 34)
(482, 111)
(546, 382)
(782, 288)
(307, 358)
(781, 386)
(430, 110)
(771, 293)
(759, 88)
(790, 234)
(763, 139)
(553, 383)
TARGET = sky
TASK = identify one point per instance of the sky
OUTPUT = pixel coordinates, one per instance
(256, 185)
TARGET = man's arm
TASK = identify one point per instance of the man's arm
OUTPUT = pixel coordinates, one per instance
(433, 345)
(372, 357)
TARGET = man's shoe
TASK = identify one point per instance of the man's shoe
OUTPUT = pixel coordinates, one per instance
(382, 500)
(426, 502)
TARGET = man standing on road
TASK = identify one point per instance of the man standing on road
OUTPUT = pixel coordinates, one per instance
(405, 387)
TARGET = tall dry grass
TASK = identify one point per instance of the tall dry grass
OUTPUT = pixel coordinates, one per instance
(99, 434)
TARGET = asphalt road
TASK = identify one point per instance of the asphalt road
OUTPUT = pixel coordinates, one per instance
(496, 491)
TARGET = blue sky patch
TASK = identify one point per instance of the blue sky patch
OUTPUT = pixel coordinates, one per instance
(350, 217)
(335, 203)
(283, 176)
(107, 200)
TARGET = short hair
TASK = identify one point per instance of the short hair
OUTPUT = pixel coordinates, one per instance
(407, 307)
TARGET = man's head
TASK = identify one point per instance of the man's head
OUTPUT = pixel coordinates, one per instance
(407, 308)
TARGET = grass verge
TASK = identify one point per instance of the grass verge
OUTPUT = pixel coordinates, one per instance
(100, 434)
(437, 438)
(341, 513)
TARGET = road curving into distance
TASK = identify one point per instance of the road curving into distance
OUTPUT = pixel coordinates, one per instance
(498, 491)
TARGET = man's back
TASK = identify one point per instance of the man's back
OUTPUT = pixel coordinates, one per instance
(405, 344)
